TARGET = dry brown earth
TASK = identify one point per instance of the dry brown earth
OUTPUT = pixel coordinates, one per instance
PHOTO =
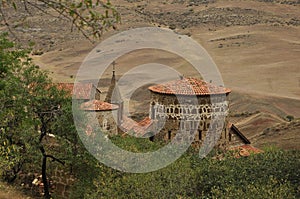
(255, 44)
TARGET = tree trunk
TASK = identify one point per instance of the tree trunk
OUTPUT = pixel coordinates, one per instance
(44, 178)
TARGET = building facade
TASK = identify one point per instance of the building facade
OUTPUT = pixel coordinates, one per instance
(186, 108)
(104, 113)
(191, 106)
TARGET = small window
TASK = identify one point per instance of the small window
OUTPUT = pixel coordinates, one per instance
(207, 126)
(200, 134)
(169, 135)
(151, 138)
(152, 112)
(105, 124)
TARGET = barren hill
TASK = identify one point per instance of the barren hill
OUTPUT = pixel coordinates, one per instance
(255, 44)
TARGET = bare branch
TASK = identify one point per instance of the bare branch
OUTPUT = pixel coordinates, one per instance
(7, 24)
(81, 15)
(54, 159)
(38, 8)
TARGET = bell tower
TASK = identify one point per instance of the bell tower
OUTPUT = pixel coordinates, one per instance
(114, 96)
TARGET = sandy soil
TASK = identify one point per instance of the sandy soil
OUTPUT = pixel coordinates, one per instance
(263, 57)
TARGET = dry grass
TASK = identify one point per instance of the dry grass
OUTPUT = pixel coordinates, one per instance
(9, 192)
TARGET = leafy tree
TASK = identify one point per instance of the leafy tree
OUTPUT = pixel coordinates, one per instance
(32, 111)
(31, 107)
(15, 126)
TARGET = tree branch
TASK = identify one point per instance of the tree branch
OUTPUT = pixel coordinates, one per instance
(7, 24)
(82, 15)
(54, 159)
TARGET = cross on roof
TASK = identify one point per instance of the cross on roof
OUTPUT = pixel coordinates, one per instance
(114, 67)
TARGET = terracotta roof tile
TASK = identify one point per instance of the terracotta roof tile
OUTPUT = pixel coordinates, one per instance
(78, 90)
(189, 86)
(145, 122)
(245, 150)
(127, 124)
(97, 105)
(140, 128)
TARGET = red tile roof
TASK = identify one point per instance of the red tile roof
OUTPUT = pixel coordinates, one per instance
(97, 105)
(140, 128)
(127, 124)
(146, 122)
(79, 91)
(245, 150)
(189, 86)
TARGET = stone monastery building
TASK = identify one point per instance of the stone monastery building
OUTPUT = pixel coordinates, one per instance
(187, 105)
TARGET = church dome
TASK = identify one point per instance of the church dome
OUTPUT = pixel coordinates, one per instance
(189, 86)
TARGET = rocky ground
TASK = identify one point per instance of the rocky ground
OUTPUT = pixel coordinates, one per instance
(254, 43)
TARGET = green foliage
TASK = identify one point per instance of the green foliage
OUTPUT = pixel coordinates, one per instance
(134, 144)
(264, 173)
(272, 189)
(16, 125)
(31, 109)
(272, 174)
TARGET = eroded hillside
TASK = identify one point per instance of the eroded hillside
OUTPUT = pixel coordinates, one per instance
(254, 43)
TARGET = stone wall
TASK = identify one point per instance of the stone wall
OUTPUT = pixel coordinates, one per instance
(61, 183)
(193, 116)
(108, 121)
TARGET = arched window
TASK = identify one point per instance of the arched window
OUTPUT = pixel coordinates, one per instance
(176, 110)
